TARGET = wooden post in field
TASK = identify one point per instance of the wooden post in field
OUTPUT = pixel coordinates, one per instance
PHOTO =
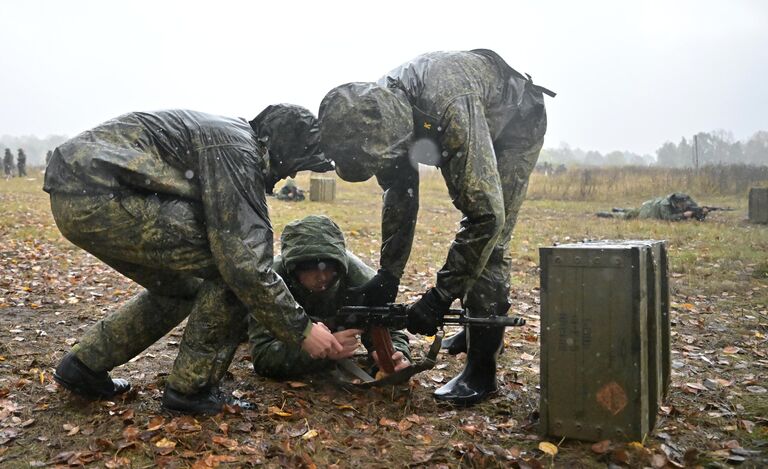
(696, 151)
(758, 205)
(322, 187)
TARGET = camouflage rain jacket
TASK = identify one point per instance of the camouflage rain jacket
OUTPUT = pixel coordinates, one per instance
(459, 100)
(218, 164)
(310, 239)
(8, 161)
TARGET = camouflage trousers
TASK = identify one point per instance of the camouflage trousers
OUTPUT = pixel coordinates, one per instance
(488, 294)
(161, 244)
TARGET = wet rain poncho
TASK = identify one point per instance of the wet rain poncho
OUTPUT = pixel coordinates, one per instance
(198, 183)
(486, 122)
(314, 238)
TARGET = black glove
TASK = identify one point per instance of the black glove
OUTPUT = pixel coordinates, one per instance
(378, 291)
(425, 315)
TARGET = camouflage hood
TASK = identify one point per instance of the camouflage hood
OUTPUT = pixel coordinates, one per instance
(292, 136)
(312, 238)
(364, 125)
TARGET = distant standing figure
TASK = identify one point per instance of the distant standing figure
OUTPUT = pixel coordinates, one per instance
(8, 163)
(21, 163)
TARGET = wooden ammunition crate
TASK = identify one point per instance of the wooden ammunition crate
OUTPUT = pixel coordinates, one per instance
(604, 339)
(758, 205)
(322, 188)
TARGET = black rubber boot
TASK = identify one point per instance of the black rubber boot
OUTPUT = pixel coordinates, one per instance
(204, 402)
(72, 374)
(456, 344)
(478, 379)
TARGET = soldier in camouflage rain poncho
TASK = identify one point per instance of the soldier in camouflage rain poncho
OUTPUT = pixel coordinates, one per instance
(322, 276)
(673, 207)
(175, 200)
(21, 163)
(483, 124)
(8, 163)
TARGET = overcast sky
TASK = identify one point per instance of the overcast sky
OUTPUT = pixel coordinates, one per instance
(629, 75)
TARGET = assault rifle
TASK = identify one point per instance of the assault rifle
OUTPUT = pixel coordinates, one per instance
(395, 316)
(700, 213)
(379, 319)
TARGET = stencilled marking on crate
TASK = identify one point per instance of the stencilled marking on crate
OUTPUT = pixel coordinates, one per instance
(598, 258)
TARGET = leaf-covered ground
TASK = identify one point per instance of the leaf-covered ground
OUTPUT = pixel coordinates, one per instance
(716, 414)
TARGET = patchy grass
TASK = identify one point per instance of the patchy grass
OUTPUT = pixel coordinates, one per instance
(50, 292)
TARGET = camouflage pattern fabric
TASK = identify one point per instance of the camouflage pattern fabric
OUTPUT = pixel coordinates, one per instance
(7, 162)
(175, 200)
(310, 239)
(487, 122)
(670, 207)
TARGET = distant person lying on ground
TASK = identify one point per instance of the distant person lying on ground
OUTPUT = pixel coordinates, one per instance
(290, 192)
(674, 207)
(322, 275)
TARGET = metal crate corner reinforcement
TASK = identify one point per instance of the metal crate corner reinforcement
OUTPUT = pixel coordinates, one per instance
(605, 362)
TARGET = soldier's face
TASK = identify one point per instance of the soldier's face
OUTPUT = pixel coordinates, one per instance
(318, 279)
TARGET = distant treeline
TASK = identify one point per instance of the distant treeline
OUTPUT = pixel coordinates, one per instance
(713, 148)
(643, 182)
(34, 147)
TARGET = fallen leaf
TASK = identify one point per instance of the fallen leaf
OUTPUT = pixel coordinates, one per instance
(620, 456)
(694, 387)
(747, 425)
(757, 389)
(131, 433)
(471, 429)
(296, 384)
(548, 448)
(274, 410)
(404, 425)
(165, 443)
(116, 462)
(601, 446)
(731, 350)
(387, 422)
(228, 443)
(730, 444)
(71, 429)
(309, 435)
(155, 423)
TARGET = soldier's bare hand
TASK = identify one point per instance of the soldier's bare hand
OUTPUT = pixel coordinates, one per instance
(401, 362)
(320, 343)
(349, 340)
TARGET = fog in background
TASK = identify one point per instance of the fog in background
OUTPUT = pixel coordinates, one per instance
(630, 76)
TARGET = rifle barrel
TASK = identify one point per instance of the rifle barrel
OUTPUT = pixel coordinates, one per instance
(506, 321)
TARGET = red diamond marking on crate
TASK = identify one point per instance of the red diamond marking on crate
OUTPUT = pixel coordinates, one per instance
(612, 397)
